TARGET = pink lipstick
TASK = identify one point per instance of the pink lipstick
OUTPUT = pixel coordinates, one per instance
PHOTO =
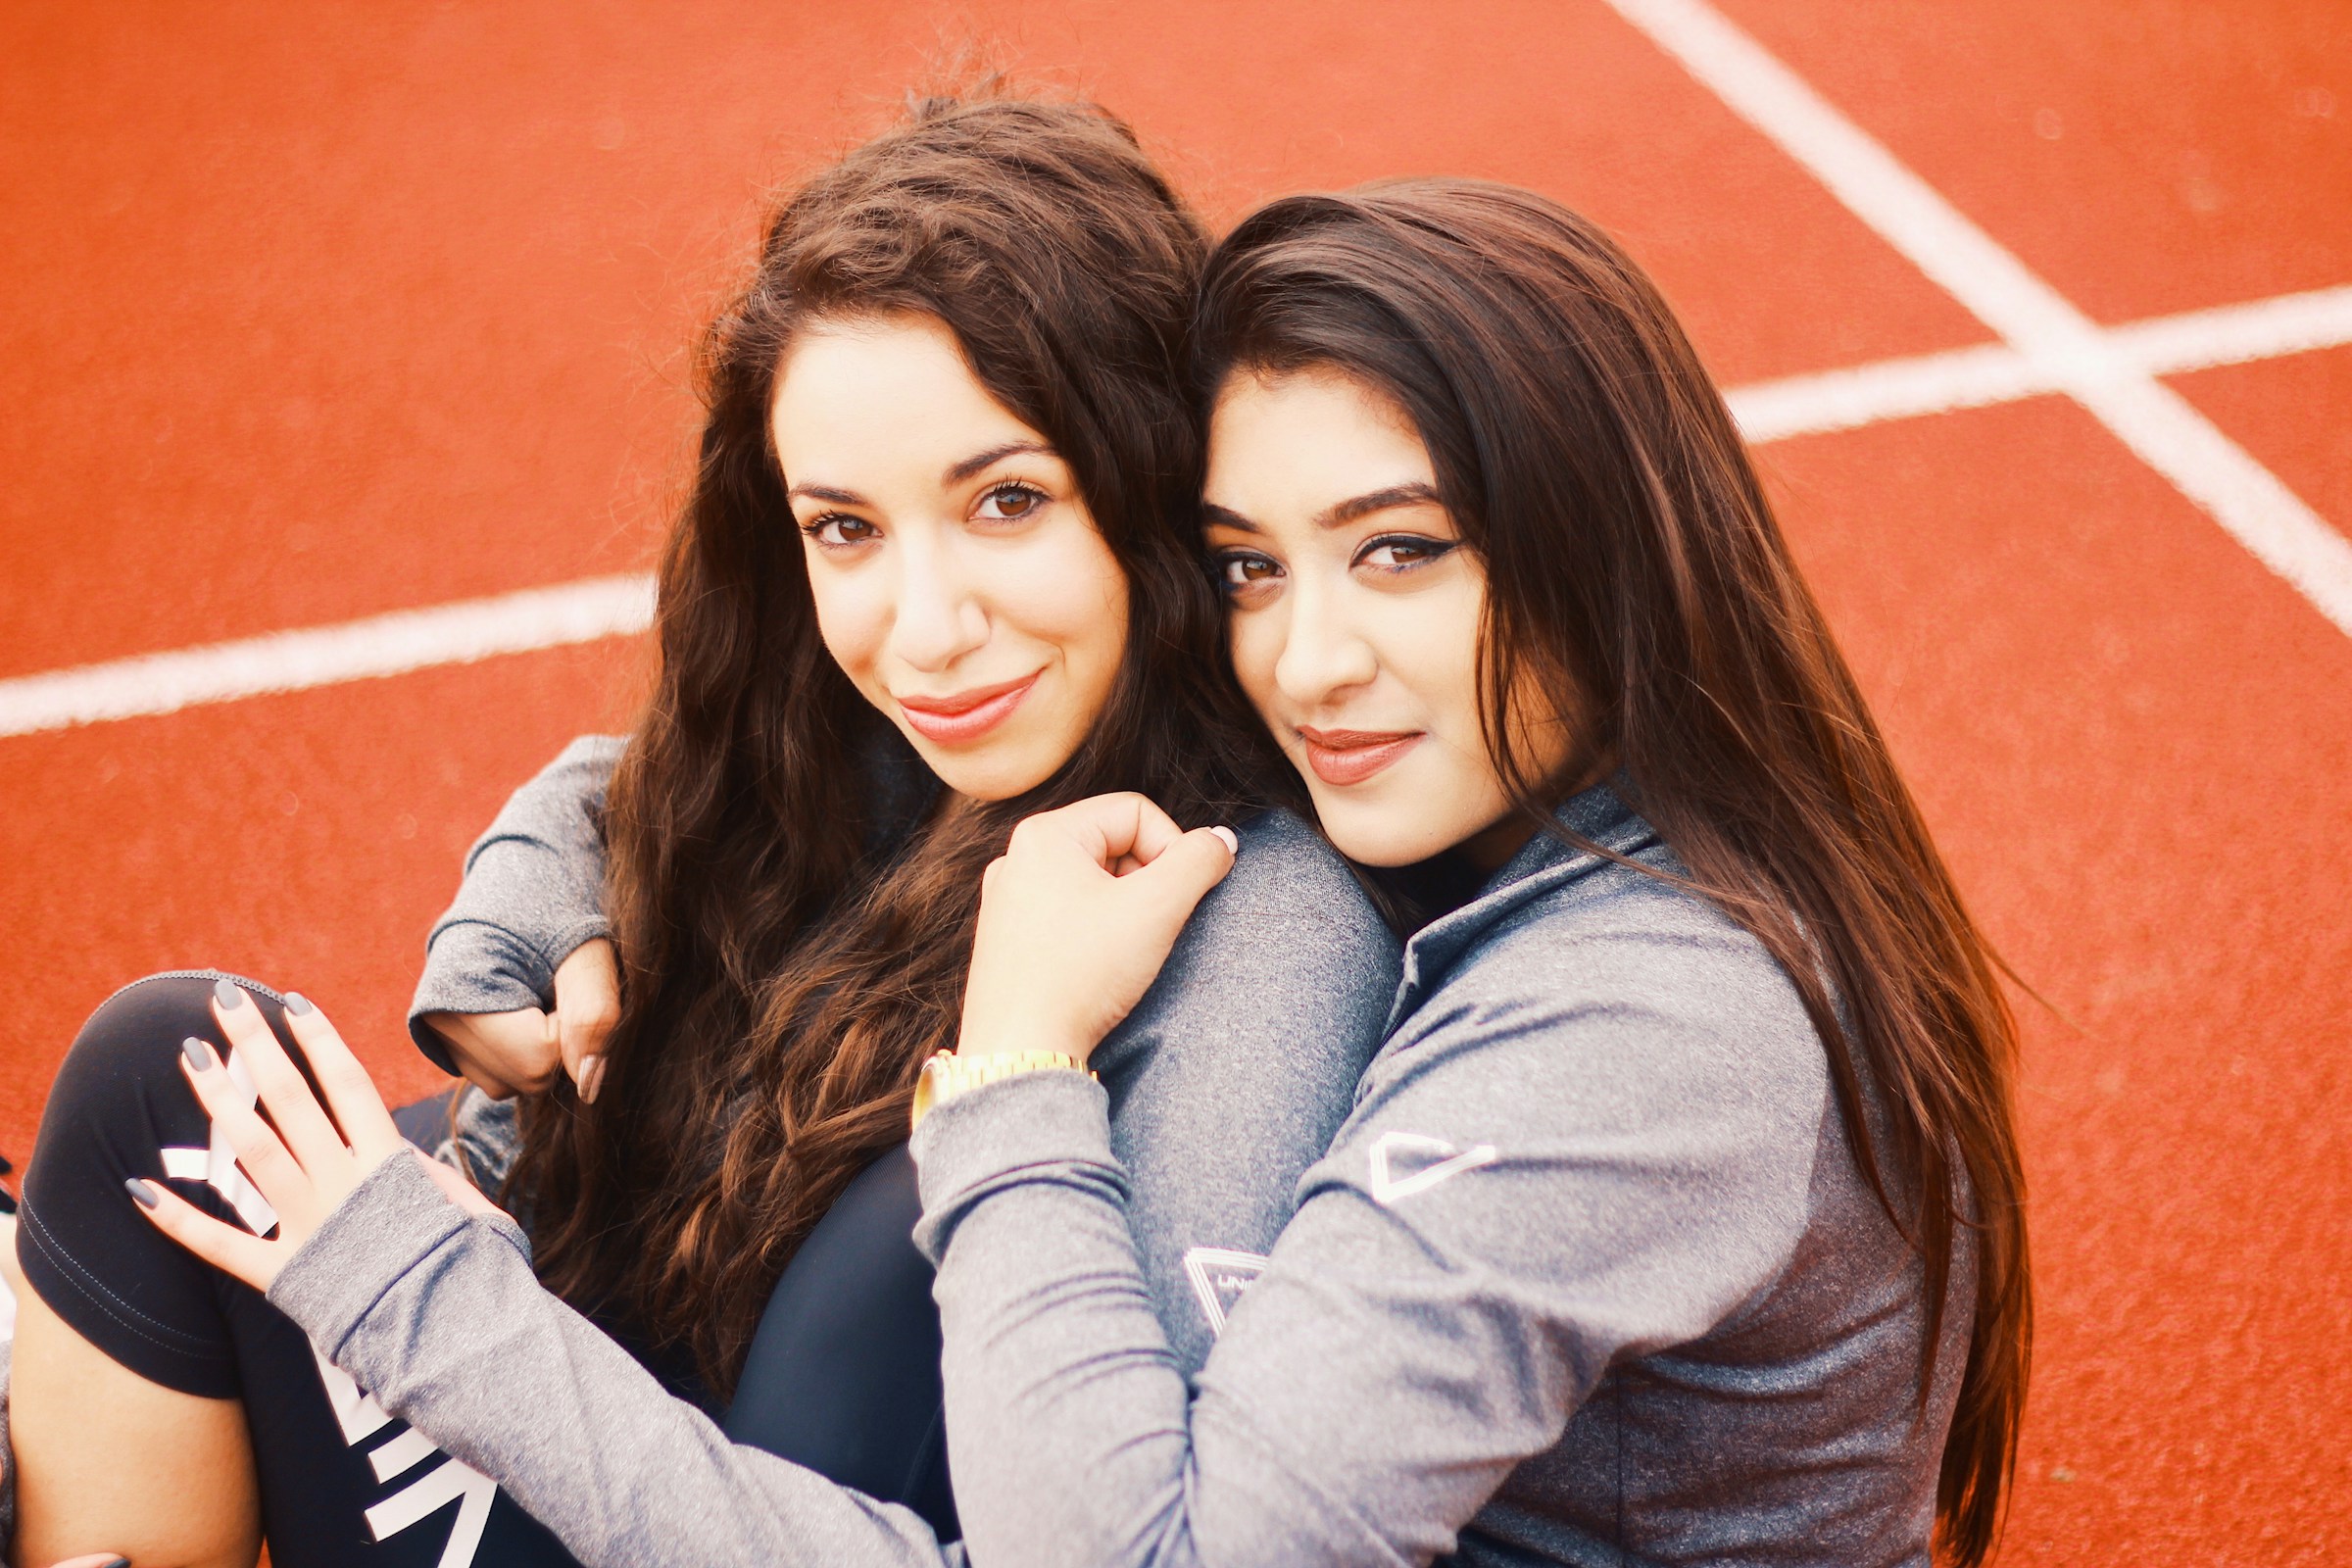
(965, 715)
(1352, 756)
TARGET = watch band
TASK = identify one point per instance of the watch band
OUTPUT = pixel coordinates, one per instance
(946, 1075)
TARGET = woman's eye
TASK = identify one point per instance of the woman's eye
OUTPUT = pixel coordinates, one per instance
(1010, 503)
(839, 528)
(1244, 570)
(1403, 552)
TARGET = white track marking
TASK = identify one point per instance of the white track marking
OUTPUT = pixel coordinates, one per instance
(2062, 345)
(612, 607)
(1891, 389)
(2233, 335)
(1994, 372)
(324, 656)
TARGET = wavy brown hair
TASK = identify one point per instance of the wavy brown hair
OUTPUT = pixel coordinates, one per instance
(792, 929)
(1636, 578)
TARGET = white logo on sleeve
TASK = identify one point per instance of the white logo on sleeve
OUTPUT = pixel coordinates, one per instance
(1406, 1164)
(1219, 1276)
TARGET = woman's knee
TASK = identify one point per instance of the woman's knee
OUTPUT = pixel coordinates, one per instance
(120, 1079)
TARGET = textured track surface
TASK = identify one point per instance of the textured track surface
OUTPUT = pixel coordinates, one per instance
(312, 312)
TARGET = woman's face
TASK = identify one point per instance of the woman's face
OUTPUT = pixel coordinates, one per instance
(959, 579)
(1356, 614)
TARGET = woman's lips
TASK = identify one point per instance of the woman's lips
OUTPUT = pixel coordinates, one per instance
(1352, 756)
(965, 715)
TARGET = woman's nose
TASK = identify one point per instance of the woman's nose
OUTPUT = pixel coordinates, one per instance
(937, 618)
(1322, 653)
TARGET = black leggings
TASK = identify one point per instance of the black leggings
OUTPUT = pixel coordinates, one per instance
(843, 1375)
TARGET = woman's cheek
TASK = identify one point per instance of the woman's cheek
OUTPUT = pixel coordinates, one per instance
(1253, 640)
(1073, 598)
(853, 620)
(1430, 643)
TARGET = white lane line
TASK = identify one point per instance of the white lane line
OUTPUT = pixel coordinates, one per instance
(1994, 372)
(609, 607)
(2061, 344)
(324, 655)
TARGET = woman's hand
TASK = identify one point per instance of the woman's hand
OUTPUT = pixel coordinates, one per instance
(1076, 918)
(308, 1166)
(506, 1053)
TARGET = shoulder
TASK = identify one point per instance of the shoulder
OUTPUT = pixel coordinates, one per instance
(597, 752)
(1620, 999)
(1288, 947)
(1287, 885)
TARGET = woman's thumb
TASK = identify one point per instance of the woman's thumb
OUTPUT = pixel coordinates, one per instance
(1184, 871)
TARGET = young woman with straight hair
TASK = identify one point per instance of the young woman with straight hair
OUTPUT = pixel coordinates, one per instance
(936, 572)
(1679, 1218)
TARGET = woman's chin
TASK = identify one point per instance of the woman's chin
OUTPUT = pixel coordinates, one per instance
(996, 771)
(1383, 834)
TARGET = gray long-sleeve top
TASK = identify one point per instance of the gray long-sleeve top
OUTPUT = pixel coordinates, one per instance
(1590, 1276)
(1254, 1038)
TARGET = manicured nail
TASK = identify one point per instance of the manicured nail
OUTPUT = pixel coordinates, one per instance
(299, 1004)
(115, 1562)
(144, 1194)
(225, 993)
(1233, 843)
(591, 1079)
(198, 1052)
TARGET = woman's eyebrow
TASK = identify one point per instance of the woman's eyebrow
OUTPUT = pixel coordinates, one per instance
(979, 460)
(824, 492)
(1225, 517)
(1411, 494)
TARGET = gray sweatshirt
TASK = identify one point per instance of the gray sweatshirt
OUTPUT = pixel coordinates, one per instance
(1588, 1277)
(1254, 1041)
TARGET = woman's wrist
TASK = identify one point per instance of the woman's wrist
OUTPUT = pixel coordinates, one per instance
(949, 1074)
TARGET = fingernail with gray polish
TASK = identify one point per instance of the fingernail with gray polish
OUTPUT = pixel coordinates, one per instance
(199, 1054)
(299, 1004)
(225, 993)
(119, 1562)
(142, 1193)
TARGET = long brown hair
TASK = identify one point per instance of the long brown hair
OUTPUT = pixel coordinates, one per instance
(793, 931)
(1636, 578)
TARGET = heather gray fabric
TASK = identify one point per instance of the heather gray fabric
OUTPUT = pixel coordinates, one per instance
(533, 885)
(532, 891)
(1289, 935)
(1588, 1277)
(1226, 1083)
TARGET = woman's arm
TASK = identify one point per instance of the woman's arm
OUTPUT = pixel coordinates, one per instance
(408, 1280)
(1510, 1211)
(1593, 1140)
(522, 934)
(438, 1315)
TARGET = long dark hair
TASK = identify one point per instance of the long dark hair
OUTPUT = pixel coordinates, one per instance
(788, 959)
(1637, 580)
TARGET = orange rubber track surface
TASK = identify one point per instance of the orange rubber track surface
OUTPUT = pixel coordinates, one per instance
(314, 312)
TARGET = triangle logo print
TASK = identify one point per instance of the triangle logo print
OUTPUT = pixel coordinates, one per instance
(1219, 1275)
(1406, 1164)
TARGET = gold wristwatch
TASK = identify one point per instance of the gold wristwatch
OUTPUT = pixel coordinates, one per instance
(946, 1075)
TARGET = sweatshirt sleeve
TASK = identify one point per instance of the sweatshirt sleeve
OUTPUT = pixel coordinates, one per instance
(438, 1316)
(1528, 1191)
(533, 890)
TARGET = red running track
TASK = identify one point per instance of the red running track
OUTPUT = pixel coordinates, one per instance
(318, 311)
